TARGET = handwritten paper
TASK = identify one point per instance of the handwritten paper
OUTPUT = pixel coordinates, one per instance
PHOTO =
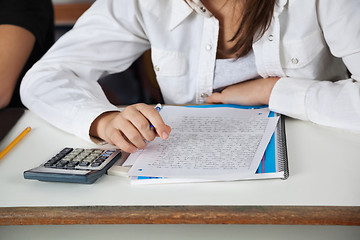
(206, 143)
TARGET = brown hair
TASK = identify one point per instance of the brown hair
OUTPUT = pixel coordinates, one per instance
(255, 21)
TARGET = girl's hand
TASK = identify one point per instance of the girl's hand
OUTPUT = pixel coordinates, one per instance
(252, 92)
(129, 128)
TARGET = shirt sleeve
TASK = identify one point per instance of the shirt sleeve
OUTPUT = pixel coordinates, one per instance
(36, 16)
(335, 104)
(62, 87)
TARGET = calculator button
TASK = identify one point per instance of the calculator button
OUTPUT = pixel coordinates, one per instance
(66, 150)
(96, 164)
(84, 154)
(90, 158)
(97, 151)
(107, 153)
(53, 160)
(72, 164)
(67, 158)
(102, 159)
(98, 161)
(58, 156)
(76, 151)
(88, 151)
(84, 164)
(61, 163)
(48, 164)
(78, 158)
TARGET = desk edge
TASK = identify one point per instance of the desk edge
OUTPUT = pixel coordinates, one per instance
(289, 215)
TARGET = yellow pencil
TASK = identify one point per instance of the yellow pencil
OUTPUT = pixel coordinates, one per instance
(14, 142)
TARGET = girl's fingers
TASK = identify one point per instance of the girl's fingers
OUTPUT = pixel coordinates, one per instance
(155, 119)
(141, 123)
(118, 139)
(215, 98)
(129, 129)
(129, 132)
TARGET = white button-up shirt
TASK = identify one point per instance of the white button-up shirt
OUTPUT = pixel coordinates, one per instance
(306, 45)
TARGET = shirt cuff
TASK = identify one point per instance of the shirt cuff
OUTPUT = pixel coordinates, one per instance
(288, 97)
(86, 118)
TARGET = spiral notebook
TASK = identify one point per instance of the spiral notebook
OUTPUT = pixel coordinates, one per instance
(240, 143)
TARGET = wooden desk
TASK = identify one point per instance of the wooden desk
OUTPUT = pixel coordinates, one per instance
(322, 187)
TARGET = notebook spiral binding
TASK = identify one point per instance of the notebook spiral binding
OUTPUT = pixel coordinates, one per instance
(282, 149)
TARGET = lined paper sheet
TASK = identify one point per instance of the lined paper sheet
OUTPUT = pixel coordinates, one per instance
(206, 143)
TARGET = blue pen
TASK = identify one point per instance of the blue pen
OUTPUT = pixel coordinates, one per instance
(158, 108)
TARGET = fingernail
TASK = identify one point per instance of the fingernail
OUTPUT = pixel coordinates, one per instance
(165, 135)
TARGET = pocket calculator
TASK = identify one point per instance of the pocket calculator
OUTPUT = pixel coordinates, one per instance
(75, 165)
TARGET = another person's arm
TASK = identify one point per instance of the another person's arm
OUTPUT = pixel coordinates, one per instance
(16, 44)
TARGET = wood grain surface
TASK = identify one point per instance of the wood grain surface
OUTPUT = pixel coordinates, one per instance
(291, 215)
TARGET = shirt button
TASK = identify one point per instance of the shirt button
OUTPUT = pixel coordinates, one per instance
(203, 9)
(295, 60)
(208, 47)
(156, 68)
(271, 37)
(204, 95)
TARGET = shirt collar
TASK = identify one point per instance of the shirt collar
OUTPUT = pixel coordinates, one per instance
(181, 9)
(279, 7)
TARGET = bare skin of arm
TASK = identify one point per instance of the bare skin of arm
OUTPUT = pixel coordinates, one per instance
(16, 44)
(252, 92)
